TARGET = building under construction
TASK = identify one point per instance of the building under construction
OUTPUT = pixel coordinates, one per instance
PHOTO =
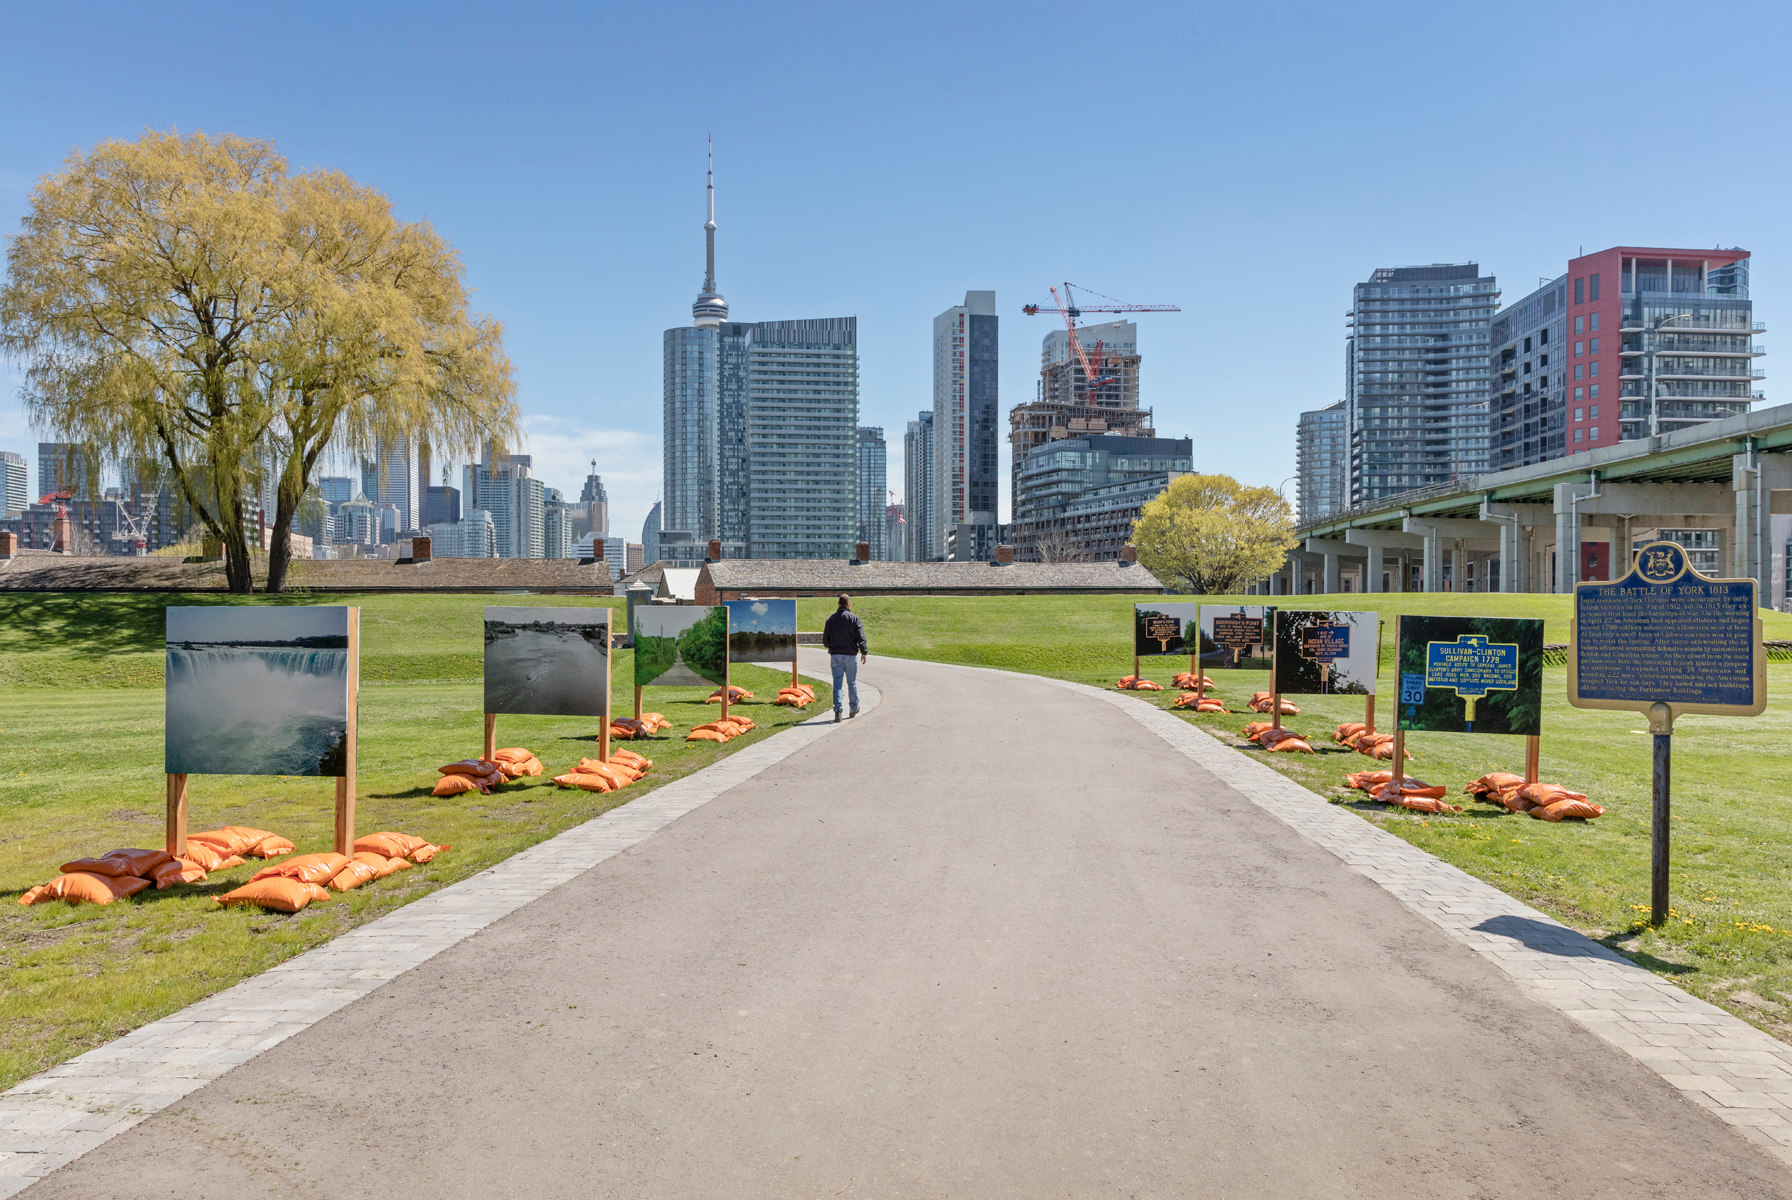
(1064, 406)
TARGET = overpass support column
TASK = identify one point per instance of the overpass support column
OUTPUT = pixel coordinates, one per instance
(1458, 569)
(1372, 573)
(1510, 556)
(1331, 573)
(1567, 506)
(1434, 560)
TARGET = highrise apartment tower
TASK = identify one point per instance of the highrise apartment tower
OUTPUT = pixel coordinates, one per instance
(1321, 462)
(922, 543)
(1416, 373)
(874, 494)
(1066, 406)
(15, 494)
(965, 484)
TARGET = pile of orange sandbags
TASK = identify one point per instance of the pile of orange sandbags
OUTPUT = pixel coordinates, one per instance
(1545, 801)
(291, 885)
(405, 846)
(1199, 703)
(111, 876)
(1189, 681)
(1349, 732)
(1284, 739)
(735, 695)
(1378, 745)
(470, 775)
(1137, 683)
(1265, 702)
(724, 730)
(1367, 781)
(624, 768)
(517, 762)
(1414, 794)
(647, 723)
(240, 841)
(796, 695)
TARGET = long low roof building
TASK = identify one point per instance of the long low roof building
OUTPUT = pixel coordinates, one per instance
(735, 579)
(46, 571)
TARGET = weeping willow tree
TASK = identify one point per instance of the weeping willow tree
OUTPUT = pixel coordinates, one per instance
(192, 300)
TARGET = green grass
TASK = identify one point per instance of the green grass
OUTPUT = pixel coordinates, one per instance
(1730, 937)
(81, 721)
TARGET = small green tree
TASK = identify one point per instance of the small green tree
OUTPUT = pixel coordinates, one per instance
(1211, 535)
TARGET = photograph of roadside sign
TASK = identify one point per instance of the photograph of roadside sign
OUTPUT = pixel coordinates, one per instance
(1326, 653)
(1160, 629)
(1237, 637)
(1471, 674)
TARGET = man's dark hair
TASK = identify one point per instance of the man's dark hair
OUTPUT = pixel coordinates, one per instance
(845, 601)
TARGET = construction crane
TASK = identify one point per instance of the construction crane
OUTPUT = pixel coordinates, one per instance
(1070, 310)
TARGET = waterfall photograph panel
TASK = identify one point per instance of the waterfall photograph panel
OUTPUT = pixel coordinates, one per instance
(254, 690)
(552, 662)
(680, 645)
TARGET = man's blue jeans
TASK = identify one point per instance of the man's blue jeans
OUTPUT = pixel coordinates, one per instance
(847, 665)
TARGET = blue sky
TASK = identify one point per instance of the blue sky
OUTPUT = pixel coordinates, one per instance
(1246, 162)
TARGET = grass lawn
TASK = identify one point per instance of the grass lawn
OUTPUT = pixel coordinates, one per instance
(81, 717)
(1730, 937)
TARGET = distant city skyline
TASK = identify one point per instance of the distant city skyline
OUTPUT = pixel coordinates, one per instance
(1273, 193)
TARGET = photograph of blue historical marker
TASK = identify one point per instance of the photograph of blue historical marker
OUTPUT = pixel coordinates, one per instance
(257, 691)
(1237, 637)
(1665, 633)
(1471, 674)
(1159, 629)
(1325, 653)
(548, 661)
(761, 631)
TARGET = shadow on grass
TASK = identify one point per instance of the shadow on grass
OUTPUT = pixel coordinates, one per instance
(109, 623)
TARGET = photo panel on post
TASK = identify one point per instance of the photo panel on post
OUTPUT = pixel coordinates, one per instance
(681, 645)
(1471, 674)
(761, 631)
(1325, 653)
(1237, 637)
(550, 662)
(1160, 629)
(255, 690)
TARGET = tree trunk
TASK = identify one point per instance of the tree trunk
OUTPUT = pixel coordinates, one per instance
(237, 572)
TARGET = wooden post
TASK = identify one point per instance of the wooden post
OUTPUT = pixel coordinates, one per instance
(1135, 671)
(1533, 749)
(491, 736)
(1399, 733)
(1369, 713)
(1661, 724)
(603, 731)
(176, 840)
(1275, 709)
(345, 786)
(794, 682)
(637, 702)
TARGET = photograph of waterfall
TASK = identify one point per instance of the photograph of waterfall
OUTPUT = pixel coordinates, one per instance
(258, 691)
(548, 661)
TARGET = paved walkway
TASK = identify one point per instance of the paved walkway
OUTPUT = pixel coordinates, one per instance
(998, 937)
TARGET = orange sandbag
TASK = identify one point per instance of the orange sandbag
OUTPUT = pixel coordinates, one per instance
(232, 839)
(655, 721)
(630, 757)
(311, 868)
(282, 893)
(1544, 794)
(454, 785)
(627, 727)
(512, 754)
(1265, 702)
(120, 863)
(272, 847)
(1424, 804)
(391, 844)
(352, 875)
(1254, 729)
(616, 772)
(1284, 740)
(1366, 781)
(177, 871)
(1494, 782)
(735, 695)
(1348, 733)
(1378, 745)
(383, 865)
(590, 783)
(1569, 807)
(705, 735)
(1411, 787)
(476, 767)
(202, 855)
(81, 887)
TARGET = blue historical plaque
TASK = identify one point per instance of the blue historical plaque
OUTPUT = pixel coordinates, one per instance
(1325, 643)
(1666, 634)
(1471, 674)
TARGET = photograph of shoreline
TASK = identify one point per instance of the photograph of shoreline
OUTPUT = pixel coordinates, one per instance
(257, 691)
(678, 645)
(551, 662)
(761, 631)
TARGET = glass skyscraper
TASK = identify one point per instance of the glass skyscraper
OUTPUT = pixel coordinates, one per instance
(874, 494)
(966, 445)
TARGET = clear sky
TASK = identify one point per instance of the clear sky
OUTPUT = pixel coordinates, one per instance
(1246, 162)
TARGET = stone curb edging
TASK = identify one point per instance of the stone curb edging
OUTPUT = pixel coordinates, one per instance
(53, 1118)
(1718, 1061)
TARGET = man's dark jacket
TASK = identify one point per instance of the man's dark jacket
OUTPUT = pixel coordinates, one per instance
(844, 634)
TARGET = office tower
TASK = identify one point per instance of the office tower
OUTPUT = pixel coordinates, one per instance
(1078, 497)
(759, 424)
(965, 455)
(473, 536)
(874, 491)
(633, 560)
(557, 536)
(1321, 462)
(1416, 369)
(596, 502)
(923, 540)
(441, 504)
(1065, 406)
(895, 533)
(65, 466)
(16, 493)
(337, 489)
(650, 535)
(505, 487)
(357, 521)
(396, 484)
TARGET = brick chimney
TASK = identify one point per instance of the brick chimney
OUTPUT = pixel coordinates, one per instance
(1129, 553)
(9, 545)
(64, 541)
(1004, 554)
(715, 549)
(862, 551)
(414, 549)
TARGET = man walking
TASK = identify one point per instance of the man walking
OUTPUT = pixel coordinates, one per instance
(844, 636)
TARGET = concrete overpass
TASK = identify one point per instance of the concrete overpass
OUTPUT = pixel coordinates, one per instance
(1723, 489)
